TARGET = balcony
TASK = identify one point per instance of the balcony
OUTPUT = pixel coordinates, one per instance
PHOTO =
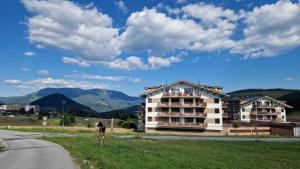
(263, 113)
(177, 114)
(263, 106)
(167, 95)
(182, 125)
(178, 104)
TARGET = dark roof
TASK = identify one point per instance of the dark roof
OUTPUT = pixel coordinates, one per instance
(213, 89)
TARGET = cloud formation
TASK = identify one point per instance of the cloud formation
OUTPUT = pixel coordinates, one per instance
(101, 77)
(267, 30)
(43, 72)
(56, 83)
(270, 30)
(79, 61)
(29, 53)
(84, 31)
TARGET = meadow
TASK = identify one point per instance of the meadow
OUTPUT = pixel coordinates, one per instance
(138, 153)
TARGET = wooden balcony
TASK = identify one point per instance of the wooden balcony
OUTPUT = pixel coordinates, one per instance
(187, 95)
(264, 113)
(182, 125)
(178, 104)
(177, 114)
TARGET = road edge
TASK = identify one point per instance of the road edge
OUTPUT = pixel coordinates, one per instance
(3, 145)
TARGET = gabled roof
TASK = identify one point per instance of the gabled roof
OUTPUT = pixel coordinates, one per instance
(212, 89)
(265, 97)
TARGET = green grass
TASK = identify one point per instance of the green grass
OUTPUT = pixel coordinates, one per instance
(294, 116)
(149, 154)
(19, 121)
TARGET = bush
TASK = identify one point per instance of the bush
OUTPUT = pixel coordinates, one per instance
(236, 125)
(129, 123)
(67, 119)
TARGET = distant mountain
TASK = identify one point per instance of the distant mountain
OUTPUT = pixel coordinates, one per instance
(275, 93)
(100, 100)
(55, 101)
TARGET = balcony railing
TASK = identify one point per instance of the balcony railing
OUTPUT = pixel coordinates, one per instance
(180, 124)
(178, 104)
(177, 114)
(181, 94)
(263, 113)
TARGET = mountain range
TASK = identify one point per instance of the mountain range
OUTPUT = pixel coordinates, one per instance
(100, 100)
(56, 101)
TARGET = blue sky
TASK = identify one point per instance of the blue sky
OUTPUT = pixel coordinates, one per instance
(129, 44)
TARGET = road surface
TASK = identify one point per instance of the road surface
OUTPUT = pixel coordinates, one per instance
(25, 152)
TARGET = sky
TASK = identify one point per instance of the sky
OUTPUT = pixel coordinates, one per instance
(126, 45)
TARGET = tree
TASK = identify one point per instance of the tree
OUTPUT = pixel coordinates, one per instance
(22, 111)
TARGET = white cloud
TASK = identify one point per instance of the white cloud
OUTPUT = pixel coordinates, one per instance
(270, 30)
(25, 69)
(121, 5)
(134, 62)
(181, 1)
(101, 77)
(130, 63)
(153, 31)
(289, 79)
(84, 31)
(12, 81)
(56, 83)
(155, 62)
(78, 61)
(43, 72)
(29, 53)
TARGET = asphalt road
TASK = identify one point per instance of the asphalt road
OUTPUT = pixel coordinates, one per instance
(25, 152)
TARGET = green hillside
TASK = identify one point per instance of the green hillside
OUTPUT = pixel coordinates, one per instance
(100, 100)
(275, 93)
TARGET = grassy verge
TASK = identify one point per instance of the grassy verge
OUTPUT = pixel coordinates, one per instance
(58, 129)
(149, 154)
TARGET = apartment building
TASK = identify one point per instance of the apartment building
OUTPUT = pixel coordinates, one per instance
(263, 108)
(181, 106)
(18, 107)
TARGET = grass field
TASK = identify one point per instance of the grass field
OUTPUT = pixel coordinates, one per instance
(33, 121)
(294, 116)
(149, 154)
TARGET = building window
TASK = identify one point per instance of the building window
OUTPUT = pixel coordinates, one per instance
(175, 119)
(188, 120)
(243, 109)
(199, 120)
(164, 119)
(149, 109)
(164, 100)
(175, 110)
(282, 110)
(149, 100)
(199, 110)
(217, 121)
(217, 111)
(217, 100)
(165, 110)
(244, 117)
(188, 90)
(188, 101)
(149, 119)
(188, 110)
